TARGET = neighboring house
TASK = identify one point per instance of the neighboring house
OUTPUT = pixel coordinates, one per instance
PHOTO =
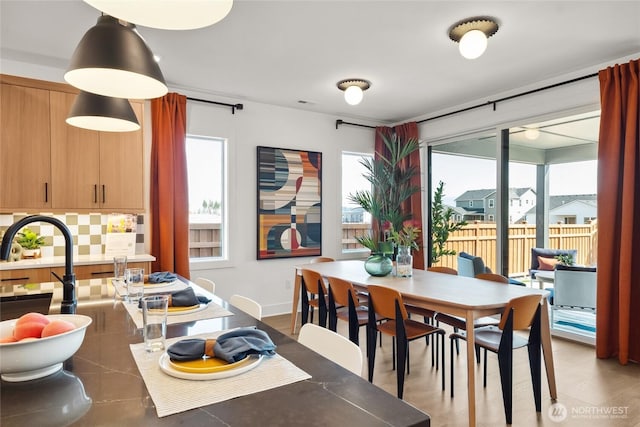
(569, 209)
(481, 204)
(354, 215)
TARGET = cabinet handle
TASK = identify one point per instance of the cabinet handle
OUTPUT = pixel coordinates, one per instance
(104, 193)
(97, 273)
(46, 192)
(95, 193)
(13, 279)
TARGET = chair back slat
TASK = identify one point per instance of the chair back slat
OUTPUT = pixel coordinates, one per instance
(493, 277)
(524, 310)
(384, 301)
(340, 289)
(443, 269)
(313, 282)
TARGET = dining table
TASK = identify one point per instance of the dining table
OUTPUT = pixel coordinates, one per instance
(466, 297)
(107, 381)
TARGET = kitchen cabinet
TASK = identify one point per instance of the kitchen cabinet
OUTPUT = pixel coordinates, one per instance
(47, 163)
(25, 165)
(90, 169)
(82, 272)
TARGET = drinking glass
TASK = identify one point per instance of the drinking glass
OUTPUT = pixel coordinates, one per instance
(119, 266)
(135, 283)
(154, 318)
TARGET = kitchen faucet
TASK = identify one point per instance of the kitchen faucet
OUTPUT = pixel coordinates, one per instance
(69, 302)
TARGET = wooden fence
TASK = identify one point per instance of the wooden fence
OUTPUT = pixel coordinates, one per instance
(477, 239)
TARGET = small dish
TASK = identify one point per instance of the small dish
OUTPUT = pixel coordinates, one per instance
(149, 285)
(222, 371)
(206, 366)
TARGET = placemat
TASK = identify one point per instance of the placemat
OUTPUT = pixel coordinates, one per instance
(212, 311)
(176, 285)
(173, 395)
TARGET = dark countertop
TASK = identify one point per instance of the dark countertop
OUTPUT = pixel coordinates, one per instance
(104, 370)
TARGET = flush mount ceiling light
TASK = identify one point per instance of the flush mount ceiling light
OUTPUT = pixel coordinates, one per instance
(112, 59)
(472, 35)
(166, 14)
(531, 133)
(353, 90)
(102, 113)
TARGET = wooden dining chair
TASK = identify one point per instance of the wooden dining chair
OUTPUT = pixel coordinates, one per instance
(321, 259)
(520, 314)
(314, 295)
(443, 269)
(494, 277)
(459, 323)
(343, 294)
(387, 304)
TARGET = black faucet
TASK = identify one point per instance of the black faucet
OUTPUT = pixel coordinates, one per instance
(69, 301)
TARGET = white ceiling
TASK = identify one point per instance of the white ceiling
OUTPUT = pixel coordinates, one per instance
(281, 52)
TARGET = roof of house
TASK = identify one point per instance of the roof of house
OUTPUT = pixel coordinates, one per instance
(557, 201)
(514, 193)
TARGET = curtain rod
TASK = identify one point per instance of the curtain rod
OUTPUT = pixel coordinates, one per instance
(473, 107)
(233, 107)
(342, 122)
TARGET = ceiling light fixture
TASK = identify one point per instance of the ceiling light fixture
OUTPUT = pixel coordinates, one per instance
(531, 133)
(112, 59)
(102, 113)
(353, 90)
(472, 35)
(166, 14)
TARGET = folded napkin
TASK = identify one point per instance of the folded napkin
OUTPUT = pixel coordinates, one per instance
(162, 277)
(232, 346)
(185, 298)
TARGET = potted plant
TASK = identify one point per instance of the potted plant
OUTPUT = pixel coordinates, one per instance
(390, 179)
(30, 242)
(405, 239)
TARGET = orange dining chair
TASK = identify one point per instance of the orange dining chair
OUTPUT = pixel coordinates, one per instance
(459, 323)
(387, 304)
(321, 259)
(314, 295)
(520, 313)
(443, 269)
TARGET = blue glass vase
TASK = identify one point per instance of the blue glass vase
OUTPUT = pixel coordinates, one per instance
(378, 264)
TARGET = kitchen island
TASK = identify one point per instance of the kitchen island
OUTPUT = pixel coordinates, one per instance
(101, 383)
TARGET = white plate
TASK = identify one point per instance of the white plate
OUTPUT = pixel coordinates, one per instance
(166, 367)
(159, 285)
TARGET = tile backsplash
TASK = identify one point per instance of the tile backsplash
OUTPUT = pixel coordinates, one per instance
(88, 231)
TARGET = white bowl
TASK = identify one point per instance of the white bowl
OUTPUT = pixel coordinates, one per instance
(28, 360)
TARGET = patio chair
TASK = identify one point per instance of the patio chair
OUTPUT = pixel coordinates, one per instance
(549, 254)
(574, 288)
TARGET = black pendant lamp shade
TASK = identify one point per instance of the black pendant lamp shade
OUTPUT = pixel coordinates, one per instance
(112, 59)
(102, 113)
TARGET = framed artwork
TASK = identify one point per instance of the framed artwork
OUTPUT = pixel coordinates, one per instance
(289, 203)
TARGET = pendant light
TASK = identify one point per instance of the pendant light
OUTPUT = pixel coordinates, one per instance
(166, 14)
(112, 59)
(102, 113)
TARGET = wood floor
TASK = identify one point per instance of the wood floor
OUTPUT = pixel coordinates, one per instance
(591, 392)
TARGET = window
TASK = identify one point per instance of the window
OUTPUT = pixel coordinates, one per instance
(206, 169)
(491, 203)
(470, 203)
(492, 218)
(355, 221)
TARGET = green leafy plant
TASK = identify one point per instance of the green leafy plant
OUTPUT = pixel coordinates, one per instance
(390, 177)
(408, 236)
(566, 259)
(442, 225)
(29, 240)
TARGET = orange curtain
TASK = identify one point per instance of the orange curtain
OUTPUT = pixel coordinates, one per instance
(618, 306)
(405, 132)
(169, 192)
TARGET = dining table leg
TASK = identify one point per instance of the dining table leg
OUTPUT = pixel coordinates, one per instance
(471, 370)
(297, 283)
(547, 351)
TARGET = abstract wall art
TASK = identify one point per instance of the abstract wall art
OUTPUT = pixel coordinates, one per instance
(289, 203)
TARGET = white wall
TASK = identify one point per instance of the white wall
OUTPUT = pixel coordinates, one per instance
(270, 282)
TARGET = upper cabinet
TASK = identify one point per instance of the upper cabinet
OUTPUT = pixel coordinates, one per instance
(25, 165)
(47, 163)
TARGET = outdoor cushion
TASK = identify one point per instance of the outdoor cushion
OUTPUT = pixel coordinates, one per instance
(548, 264)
